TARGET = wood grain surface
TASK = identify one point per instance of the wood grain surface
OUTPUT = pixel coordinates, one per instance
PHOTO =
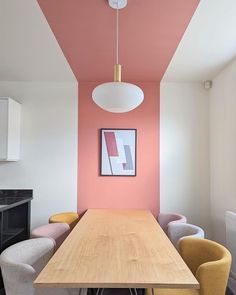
(116, 249)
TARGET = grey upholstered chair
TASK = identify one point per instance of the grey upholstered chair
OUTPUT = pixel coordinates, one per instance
(177, 231)
(22, 262)
(230, 220)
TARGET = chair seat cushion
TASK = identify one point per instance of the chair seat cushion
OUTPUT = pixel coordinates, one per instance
(56, 231)
(172, 292)
(70, 218)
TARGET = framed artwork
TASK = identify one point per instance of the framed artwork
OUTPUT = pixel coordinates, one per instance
(118, 152)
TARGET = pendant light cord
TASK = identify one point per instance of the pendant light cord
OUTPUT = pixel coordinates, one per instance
(117, 34)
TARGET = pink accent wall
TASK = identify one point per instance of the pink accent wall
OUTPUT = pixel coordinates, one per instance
(150, 32)
(149, 35)
(96, 191)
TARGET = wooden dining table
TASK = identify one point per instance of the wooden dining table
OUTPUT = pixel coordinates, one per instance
(116, 249)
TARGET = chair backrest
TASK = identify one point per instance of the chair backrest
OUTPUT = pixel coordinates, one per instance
(165, 218)
(209, 261)
(230, 220)
(178, 231)
(22, 262)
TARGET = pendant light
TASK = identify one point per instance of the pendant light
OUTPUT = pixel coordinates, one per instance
(117, 96)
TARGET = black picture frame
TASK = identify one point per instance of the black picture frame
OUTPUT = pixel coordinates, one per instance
(118, 152)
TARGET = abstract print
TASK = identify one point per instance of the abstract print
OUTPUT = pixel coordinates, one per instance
(118, 152)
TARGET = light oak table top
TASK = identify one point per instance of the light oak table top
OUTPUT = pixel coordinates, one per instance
(116, 249)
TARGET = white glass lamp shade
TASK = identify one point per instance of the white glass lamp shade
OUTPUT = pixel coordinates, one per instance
(117, 97)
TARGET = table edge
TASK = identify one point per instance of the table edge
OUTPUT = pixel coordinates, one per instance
(117, 285)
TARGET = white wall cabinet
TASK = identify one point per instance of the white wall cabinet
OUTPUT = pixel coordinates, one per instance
(10, 111)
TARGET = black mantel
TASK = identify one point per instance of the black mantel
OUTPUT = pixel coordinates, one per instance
(14, 216)
(12, 198)
(15, 210)
(25, 193)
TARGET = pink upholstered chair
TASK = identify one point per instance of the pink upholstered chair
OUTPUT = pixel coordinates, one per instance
(56, 231)
(165, 218)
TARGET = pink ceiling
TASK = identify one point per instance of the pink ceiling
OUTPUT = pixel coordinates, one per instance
(150, 31)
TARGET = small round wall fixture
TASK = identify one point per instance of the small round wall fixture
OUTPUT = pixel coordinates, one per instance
(117, 96)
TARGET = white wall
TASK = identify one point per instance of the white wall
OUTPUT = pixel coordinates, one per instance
(48, 162)
(29, 49)
(208, 44)
(184, 157)
(223, 148)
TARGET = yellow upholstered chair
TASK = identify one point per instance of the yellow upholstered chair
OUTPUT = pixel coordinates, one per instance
(210, 263)
(71, 218)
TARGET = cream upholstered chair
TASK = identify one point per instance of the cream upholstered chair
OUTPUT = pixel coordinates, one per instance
(21, 263)
(166, 218)
(178, 231)
(209, 262)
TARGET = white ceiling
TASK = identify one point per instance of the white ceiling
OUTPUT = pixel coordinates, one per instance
(208, 44)
(29, 50)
